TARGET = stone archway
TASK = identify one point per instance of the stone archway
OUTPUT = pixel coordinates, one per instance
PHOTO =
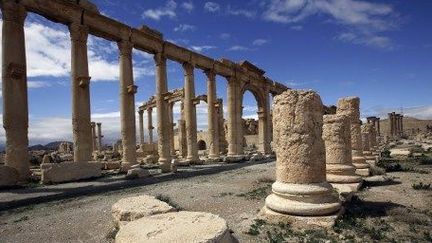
(201, 145)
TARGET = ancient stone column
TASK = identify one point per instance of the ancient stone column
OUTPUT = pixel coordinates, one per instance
(14, 85)
(378, 126)
(350, 106)
(150, 124)
(365, 134)
(162, 113)
(141, 126)
(390, 118)
(127, 105)
(94, 136)
(301, 188)
(232, 96)
(221, 127)
(213, 130)
(182, 139)
(337, 139)
(401, 125)
(190, 114)
(171, 128)
(99, 136)
(80, 94)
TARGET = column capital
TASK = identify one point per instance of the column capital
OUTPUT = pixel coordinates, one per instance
(159, 59)
(98, 124)
(14, 12)
(93, 124)
(149, 109)
(125, 48)
(188, 68)
(79, 32)
(141, 112)
(211, 74)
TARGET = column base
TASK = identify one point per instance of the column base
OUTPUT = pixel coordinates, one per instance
(165, 166)
(194, 161)
(8, 176)
(69, 171)
(212, 160)
(363, 172)
(299, 222)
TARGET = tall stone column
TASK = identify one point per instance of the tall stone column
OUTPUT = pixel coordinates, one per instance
(221, 127)
(213, 128)
(127, 105)
(350, 106)
(301, 192)
(80, 94)
(337, 139)
(99, 136)
(14, 85)
(162, 113)
(182, 138)
(390, 118)
(171, 128)
(150, 124)
(190, 113)
(365, 134)
(263, 126)
(232, 123)
(141, 126)
(401, 125)
(94, 136)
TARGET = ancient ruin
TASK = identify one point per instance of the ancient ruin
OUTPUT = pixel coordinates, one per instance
(396, 125)
(301, 191)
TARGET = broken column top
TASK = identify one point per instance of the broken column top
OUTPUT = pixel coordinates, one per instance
(349, 106)
(297, 124)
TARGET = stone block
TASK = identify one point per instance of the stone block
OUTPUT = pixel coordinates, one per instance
(69, 171)
(8, 176)
(135, 173)
(112, 165)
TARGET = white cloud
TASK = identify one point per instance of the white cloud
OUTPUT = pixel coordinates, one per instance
(297, 27)
(184, 28)
(188, 6)
(238, 48)
(225, 36)
(211, 7)
(259, 42)
(156, 14)
(202, 48)
(364, 18)
(423, 112)
(241, 12)
(38, 84)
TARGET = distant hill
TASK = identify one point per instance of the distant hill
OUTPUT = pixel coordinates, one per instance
(48, 146)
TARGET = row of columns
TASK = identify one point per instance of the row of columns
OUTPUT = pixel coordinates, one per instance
(396, 124)
(96, 137)
(375, 121)
(149, 125)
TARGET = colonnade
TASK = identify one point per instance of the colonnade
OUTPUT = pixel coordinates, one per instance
(83, 19)
(395, 124)
(375, 121)
(96, 136)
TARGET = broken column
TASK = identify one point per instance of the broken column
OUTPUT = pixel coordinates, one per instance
(301, 193)
(366, 131)
(162, 113)
(127, 105)
(190, 114)
(350, 106)
(339, 167)
(14, 76)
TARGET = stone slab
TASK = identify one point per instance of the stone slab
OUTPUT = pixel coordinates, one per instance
(191, 227)
(363, 172)
(133, 208)
(69, 171)
(300, 222)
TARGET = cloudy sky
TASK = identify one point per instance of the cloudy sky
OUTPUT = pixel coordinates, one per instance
(378, 50)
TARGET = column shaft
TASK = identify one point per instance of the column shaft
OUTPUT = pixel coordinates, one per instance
(14, 85)
(171, 128)
(232, 125)
(150, 124)
(127, 104)
(141, 126)
(80, 94)
(190, 112)
(94, 136)
(99, 136)
(213, 130)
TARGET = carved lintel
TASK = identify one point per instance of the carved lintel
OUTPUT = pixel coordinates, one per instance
(83, 82)
(16, 71)
(132, 89)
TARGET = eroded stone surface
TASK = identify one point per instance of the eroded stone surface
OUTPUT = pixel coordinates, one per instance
(133, 208)
(176, 227)
(8, 176)
(69, 171)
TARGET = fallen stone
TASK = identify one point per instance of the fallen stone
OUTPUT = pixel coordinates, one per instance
(112, 165)
(8, 176)
(69, 171)
(257, 157)
(133, 208)
(191, 227)
(137, 173)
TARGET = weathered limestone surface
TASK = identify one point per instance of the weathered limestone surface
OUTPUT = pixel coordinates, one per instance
(182, 226)
(350, 106)
(190, 114)
(69, 171)
(8, 176)
(337, 139)
(213, 122)
(301, 188)
(133, 208)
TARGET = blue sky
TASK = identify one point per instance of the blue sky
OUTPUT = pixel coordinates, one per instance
(378, 50)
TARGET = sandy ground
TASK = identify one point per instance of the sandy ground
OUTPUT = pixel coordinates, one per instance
(235, 195)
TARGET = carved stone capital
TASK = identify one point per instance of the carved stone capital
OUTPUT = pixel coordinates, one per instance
(132, 89)
(16, 71)
(141, 112)
(188, 68)
(13, 12)
(78, 32)
(160, 59)
(83, 82)
(125, 47)
(211, 74)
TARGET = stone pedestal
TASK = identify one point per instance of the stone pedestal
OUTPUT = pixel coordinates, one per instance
(14, 76)
(339, 167)
(350, 106)
(301, 195)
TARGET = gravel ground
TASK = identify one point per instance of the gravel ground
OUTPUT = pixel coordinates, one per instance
(235, 195)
